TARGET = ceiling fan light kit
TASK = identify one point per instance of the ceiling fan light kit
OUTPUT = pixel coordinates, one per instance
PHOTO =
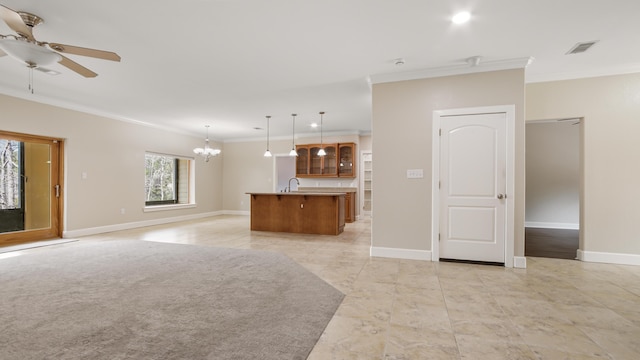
(29, 53)
(33, 53)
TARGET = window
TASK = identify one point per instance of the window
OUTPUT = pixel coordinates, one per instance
(167, 180)
(11, 174)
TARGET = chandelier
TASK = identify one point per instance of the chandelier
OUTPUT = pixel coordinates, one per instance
(207, 151)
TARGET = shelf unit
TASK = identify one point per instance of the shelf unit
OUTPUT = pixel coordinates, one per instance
(366, 182)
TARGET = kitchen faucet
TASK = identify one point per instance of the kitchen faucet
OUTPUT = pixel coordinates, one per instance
(297, 182)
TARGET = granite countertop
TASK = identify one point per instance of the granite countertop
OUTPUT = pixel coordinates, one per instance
(299, 193)
(327, 189)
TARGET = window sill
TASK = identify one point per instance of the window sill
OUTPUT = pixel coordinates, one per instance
(155, 208)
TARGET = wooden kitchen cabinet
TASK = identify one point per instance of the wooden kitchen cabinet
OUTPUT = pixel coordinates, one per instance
(347, 160)
(302, 162)
(338, 162)
(350, 207)
(323, 166)
(306, 213)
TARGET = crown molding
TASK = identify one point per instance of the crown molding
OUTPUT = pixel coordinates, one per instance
(611, 71)
(485, 66)
(67, 105)
(299, 136)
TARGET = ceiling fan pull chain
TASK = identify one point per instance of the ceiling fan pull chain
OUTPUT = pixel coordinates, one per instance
(31, 79)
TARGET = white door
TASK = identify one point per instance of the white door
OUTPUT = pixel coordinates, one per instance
(473, 187)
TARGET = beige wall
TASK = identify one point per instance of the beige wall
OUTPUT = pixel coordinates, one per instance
(247, 170)
(402, 130)
(365, 143)
(611, 193)
(111, 152)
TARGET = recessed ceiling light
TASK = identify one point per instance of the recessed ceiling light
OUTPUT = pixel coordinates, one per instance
(314, 125)
(461, 17)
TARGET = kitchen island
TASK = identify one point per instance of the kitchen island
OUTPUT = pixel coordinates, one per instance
(298, 212)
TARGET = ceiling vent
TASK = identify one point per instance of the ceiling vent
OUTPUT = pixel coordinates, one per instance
(581, 47)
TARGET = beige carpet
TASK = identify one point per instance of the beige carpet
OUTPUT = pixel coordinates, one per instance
(147, 300)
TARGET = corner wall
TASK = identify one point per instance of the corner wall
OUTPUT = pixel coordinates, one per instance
(610, 106)
(402, 128)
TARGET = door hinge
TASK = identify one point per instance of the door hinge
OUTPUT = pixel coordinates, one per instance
(438, 236)
(57, 188)
(440, 132)
(438, 184)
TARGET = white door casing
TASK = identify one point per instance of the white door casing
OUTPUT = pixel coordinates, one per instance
(473, 181)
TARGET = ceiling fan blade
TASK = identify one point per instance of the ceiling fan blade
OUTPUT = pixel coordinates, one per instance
(15, 22)
(76, 50)
(72, 65)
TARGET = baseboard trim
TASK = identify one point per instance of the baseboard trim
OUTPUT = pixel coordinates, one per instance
(520, 262)
(395, 253)
(609, 258)
(551, 225)
(137, 224)
(236, 212)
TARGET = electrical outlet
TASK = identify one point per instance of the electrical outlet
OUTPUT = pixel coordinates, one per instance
(415, 174)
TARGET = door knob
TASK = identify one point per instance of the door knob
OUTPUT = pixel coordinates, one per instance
(500, 196)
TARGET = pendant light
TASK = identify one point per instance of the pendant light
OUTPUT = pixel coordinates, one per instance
(207, 151)
(267, 153)
(293, 151)
(321, 152)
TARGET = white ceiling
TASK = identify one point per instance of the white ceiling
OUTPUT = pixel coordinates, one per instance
(228, 63)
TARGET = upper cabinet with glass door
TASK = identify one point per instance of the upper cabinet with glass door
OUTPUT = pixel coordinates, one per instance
(323, 166)
(347, 160)
(330, 165)
(302, 162)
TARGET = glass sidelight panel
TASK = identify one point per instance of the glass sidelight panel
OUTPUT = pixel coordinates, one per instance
(11, 185)
(26, 186)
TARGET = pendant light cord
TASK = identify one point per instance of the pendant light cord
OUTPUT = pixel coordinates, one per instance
(293, 132)
(321, 128)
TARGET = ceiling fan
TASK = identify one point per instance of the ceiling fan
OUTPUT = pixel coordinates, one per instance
(36, 54)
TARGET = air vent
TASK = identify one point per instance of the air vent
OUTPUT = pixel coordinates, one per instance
(581, 47)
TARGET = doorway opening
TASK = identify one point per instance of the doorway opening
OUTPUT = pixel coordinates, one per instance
(285, 169)
(553, 188)
(30, 188)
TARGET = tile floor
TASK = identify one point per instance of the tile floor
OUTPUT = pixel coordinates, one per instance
(402, 309)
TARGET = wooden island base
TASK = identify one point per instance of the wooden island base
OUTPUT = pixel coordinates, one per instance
(305, 213)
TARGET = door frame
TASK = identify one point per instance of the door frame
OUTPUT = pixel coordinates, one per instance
(57, 202)
(510, 112)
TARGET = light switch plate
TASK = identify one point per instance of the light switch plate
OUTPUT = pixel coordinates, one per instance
(415, 174)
